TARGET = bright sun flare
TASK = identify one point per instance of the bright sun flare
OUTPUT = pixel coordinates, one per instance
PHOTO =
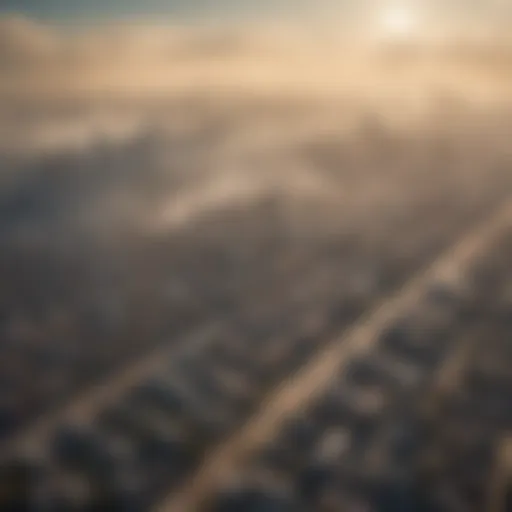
(398, 21)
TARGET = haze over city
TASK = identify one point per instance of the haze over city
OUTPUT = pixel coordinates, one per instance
(255, 256)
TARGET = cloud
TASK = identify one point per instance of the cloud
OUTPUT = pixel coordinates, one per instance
(134, 59)
(25, 42)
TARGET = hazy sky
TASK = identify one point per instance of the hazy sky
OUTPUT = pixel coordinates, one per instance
(77, 10)
(101, 9)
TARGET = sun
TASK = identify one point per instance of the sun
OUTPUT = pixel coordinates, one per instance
(398, 21)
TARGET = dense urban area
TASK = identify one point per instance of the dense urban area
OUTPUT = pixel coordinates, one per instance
(259, 306)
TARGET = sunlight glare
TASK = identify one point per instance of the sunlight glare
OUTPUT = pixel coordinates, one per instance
(398, 21)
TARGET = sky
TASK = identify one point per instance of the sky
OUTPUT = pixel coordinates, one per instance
(97, 10)
(76, 10)
(430, 17)
(36, 55)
